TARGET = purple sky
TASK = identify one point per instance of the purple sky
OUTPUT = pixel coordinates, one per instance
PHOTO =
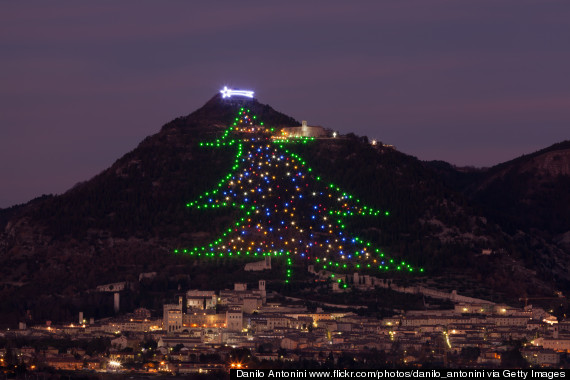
(470, 82)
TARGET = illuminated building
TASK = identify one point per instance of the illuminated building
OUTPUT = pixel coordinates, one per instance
(172, 317)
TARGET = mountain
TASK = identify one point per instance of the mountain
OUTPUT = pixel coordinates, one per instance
(128, 220)
(530, 192)
(528, 197)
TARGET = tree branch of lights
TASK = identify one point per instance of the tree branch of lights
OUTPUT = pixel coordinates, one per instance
(286, 209)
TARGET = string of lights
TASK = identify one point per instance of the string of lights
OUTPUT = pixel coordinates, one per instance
(286, 210)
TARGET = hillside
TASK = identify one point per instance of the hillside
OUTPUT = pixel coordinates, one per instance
(530, 192)
(528, 197)
(129, 219)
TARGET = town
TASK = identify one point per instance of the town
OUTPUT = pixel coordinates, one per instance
(207, 331)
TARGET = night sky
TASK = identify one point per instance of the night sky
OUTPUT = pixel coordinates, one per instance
(469, 82)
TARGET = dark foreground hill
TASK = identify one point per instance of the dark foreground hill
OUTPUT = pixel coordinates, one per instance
(128, 219)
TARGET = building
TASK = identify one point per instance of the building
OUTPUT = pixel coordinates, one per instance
(173, 341)
(234, 320)
(142, 313)
(250, 304)
(542, 357)
(204, 318)
(200, 300)
(240, 292)
(172, 317)
(553, 344)
(474, 308)
(258, 265)
(304, 130)
(64, 363)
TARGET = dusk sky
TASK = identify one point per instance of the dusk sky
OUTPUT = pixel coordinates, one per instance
(469, 82)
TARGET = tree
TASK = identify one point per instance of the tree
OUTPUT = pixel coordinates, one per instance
(329, 363)
(9, 357)
(281, 353)
(176, 349)
(265, 348)
(285, 209)
(470, 354)
(346, 360)
(513, 359)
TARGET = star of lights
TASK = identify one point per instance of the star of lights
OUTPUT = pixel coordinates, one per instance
(228, 93)
(286, 210)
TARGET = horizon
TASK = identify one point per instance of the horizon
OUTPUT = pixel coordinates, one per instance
(473, 84)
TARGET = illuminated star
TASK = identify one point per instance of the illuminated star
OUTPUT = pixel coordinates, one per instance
(228, 92)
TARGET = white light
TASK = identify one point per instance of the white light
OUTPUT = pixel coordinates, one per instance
(228, 92)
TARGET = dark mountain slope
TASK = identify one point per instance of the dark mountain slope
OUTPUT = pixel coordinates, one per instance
(456, 178)
(529, 197)
(128, 219)
(530, 192)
